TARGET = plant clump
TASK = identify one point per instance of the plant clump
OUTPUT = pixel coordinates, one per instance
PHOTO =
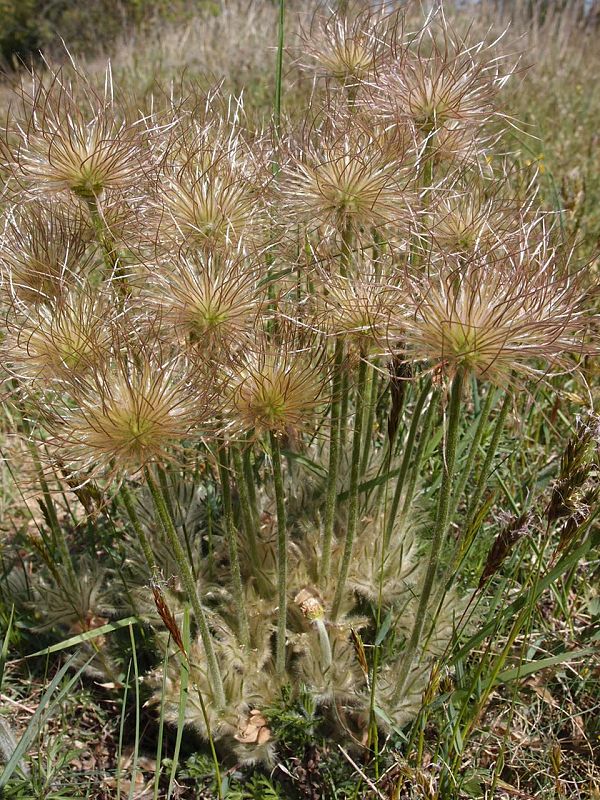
(271, 364)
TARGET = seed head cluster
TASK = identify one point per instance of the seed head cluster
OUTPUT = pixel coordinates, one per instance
(194, 286)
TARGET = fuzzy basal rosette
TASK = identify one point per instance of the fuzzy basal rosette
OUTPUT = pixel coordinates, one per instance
(249, 686)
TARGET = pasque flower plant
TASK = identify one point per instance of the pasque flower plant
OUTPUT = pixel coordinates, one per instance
(297, 318)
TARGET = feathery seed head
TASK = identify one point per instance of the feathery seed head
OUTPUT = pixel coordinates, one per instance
(213, 209)
(278, 388)
(345, 181)
(466, 224)
(360, 307)
(349, 48)
(63, 149)
(128, 414)
(494, 318)
(85, 158)
(211, 190)
(68, 337)
(211, 302)
(45, 249)
(444, 84)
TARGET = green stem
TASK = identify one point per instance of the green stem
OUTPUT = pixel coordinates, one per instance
(334, 461)
(439, 531)
(250, 485)
(423, 440)
(408, 448)
(470, 460)
(371, 392)
(58, 535)
(190, 588)
(485, 469)
(344, 404)
(353, 490)
(281, 555)
(112, 259)
(129, 504)
(234, 561)
(245, 507)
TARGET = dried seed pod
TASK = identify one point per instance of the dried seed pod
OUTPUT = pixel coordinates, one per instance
(503, 546)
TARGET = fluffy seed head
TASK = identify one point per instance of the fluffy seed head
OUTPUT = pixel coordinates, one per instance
(55, 340)
(45, 247)
(212, 303)
(213, 209)
(466, 224)
(211, 190)
(495, 318)
(63, 149)
(277, 389)
(442, 84)
(344, 181)
(126, 415)
(348, 47)
(360, 307)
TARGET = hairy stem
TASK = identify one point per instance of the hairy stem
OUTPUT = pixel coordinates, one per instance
(281, 555)
(58, 535)
(234, 560)
(112, 259)
(416, 468)
(489, 457)
(245, 506)
(353, 490)
(129, 504)
(334, 461)
(279, 67)
(189, 586)
(371, 393)
(484, 414)
(439, 531)
(408, 449)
